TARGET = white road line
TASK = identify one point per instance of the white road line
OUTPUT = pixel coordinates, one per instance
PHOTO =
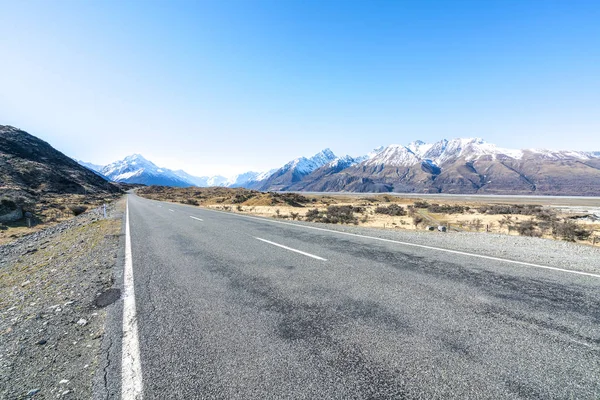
(131, 370)
(199, 219)
(422, 246)
(290, 249)
(171, 210)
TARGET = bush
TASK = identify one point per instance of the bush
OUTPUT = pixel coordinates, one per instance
(77, 210)
(334, 215)
(292, 199)
(192, 202)
(447, 209)
(528, 228)
(392, 209)
(421, 204)
(417, 220)
(517, 209)
(477, 224)
(569, 230)
(242, 197)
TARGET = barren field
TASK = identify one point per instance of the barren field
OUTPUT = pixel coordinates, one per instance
(571, 219)
(51, 210)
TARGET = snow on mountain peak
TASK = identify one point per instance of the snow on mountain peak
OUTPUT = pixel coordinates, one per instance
(394, 155)
(419, 147)
(469, 148)
(307, 165)
(323, 157)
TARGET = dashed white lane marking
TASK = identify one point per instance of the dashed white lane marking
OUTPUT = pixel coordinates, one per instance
(290, 249)
(199, 219)
(422, 246)
(171, 210)
(131, 370)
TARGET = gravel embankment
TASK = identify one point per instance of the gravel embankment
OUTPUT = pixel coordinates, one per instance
(52, 287)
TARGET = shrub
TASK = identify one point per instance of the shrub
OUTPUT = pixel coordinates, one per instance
(77, 210)
(421, 204)
(477, 224)
(417, 220)
(517, 209)
(569, 230)
(242, 197)
(447, 209)
(192, 202)
(528, 228)
(334, 215)
(392, 209)
(311, 215)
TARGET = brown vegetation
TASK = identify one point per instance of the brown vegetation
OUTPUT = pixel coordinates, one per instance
(387, 211)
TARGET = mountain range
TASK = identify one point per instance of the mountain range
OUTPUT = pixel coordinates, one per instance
(463, 165)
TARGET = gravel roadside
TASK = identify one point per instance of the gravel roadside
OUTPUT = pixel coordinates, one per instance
(547, 252)
(54, 285)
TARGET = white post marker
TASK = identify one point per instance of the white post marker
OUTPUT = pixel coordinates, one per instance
(131, 370)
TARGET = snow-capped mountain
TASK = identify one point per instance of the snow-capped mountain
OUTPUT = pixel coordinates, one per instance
(461, 165)
(250, 179)
(440, 152)
(369, 155)
(305, 165)
(202, 181)
(295, 170)
(136, 169)
(93, 167)
(465, 165)
(394, 155)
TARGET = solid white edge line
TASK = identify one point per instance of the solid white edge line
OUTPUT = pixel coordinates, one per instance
(290, 249)
(199, 219)
(422, 246)
(131, 370)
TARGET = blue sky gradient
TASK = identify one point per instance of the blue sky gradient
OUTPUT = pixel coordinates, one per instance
(228, 86)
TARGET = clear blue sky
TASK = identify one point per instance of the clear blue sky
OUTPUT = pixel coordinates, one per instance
(226, 86)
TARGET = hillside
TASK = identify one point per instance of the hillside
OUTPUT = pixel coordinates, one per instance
(31, 168)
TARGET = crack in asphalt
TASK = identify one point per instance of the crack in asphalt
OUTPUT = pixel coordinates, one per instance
(108, 364)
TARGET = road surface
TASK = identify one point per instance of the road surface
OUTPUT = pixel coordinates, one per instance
(234, 307)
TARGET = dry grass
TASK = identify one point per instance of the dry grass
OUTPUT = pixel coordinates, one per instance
(51, 210)
(295, 206)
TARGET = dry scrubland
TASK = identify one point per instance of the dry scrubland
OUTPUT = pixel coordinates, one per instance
(394, 212)
(48, 211)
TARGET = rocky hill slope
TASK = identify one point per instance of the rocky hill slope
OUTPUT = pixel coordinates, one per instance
(30, 167)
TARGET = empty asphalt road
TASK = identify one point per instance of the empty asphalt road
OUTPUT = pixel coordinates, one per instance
(231, 307)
